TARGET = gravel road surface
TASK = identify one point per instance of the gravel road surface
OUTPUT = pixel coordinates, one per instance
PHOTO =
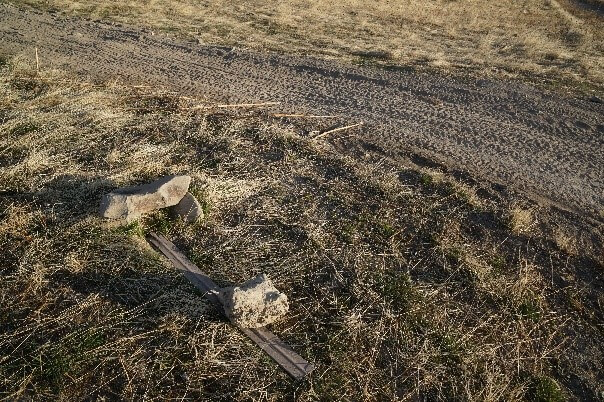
(544, 144)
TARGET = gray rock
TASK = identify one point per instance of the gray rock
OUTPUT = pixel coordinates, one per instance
(189, 209)
(255, 303)
(130, 203)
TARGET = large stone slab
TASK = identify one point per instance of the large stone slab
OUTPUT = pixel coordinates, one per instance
(255, 303)
(130, 203)
(189, 209)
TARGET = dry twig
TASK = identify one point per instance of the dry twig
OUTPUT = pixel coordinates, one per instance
(310, 116)
(235, 105)
(335, 130)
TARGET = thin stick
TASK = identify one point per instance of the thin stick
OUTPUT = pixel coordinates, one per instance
(250, 104)
(313, 116)
(235, 105)
(336, 130)
(37, 61)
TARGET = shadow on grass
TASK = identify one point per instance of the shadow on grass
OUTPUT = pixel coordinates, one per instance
(67, 196)
(160, 293)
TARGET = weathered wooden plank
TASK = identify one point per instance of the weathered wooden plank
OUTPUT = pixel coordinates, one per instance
(183, 264)
(295, 365)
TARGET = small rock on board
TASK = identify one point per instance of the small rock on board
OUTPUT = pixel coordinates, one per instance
(255, 303)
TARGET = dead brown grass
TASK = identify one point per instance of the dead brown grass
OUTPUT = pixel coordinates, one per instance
(551, 39)
(401, 286)
(521, 219)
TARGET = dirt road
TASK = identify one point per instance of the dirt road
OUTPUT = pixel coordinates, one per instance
(541, 143)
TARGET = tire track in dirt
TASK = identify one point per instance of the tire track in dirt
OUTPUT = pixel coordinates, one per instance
(541, 143)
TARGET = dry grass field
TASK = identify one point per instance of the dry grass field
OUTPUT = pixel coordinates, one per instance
(551, 40)
(405, 281)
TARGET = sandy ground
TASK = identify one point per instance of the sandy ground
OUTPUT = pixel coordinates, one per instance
(547, 145)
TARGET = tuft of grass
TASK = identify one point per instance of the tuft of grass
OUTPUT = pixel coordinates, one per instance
(545, 389)
(498, 262)
(132, 229)
(398, 289)
(203, 198)
(566, 242)
(29, 84)
(63, 360)
(160, 222)
(529, 309)
(348, 232)
(520, 220)
(386, 230)
(426, 179)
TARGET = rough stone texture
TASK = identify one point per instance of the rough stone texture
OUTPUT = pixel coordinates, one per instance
(254, 303)
(129, 203)
(189, 209)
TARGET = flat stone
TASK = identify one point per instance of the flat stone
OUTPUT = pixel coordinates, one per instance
(189, 209)
(130, 203)
(255, 303)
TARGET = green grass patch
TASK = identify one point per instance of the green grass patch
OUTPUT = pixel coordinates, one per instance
(450, 349)
(545, 389)
(159, 221)
(203, 199)
(66, 357)
(498, 263)
(398, 289)
(348, 232)
(529, 309)
(386, 230)
(135, 229)
(426, 179)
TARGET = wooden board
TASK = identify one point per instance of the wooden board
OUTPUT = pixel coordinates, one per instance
(296, 366)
